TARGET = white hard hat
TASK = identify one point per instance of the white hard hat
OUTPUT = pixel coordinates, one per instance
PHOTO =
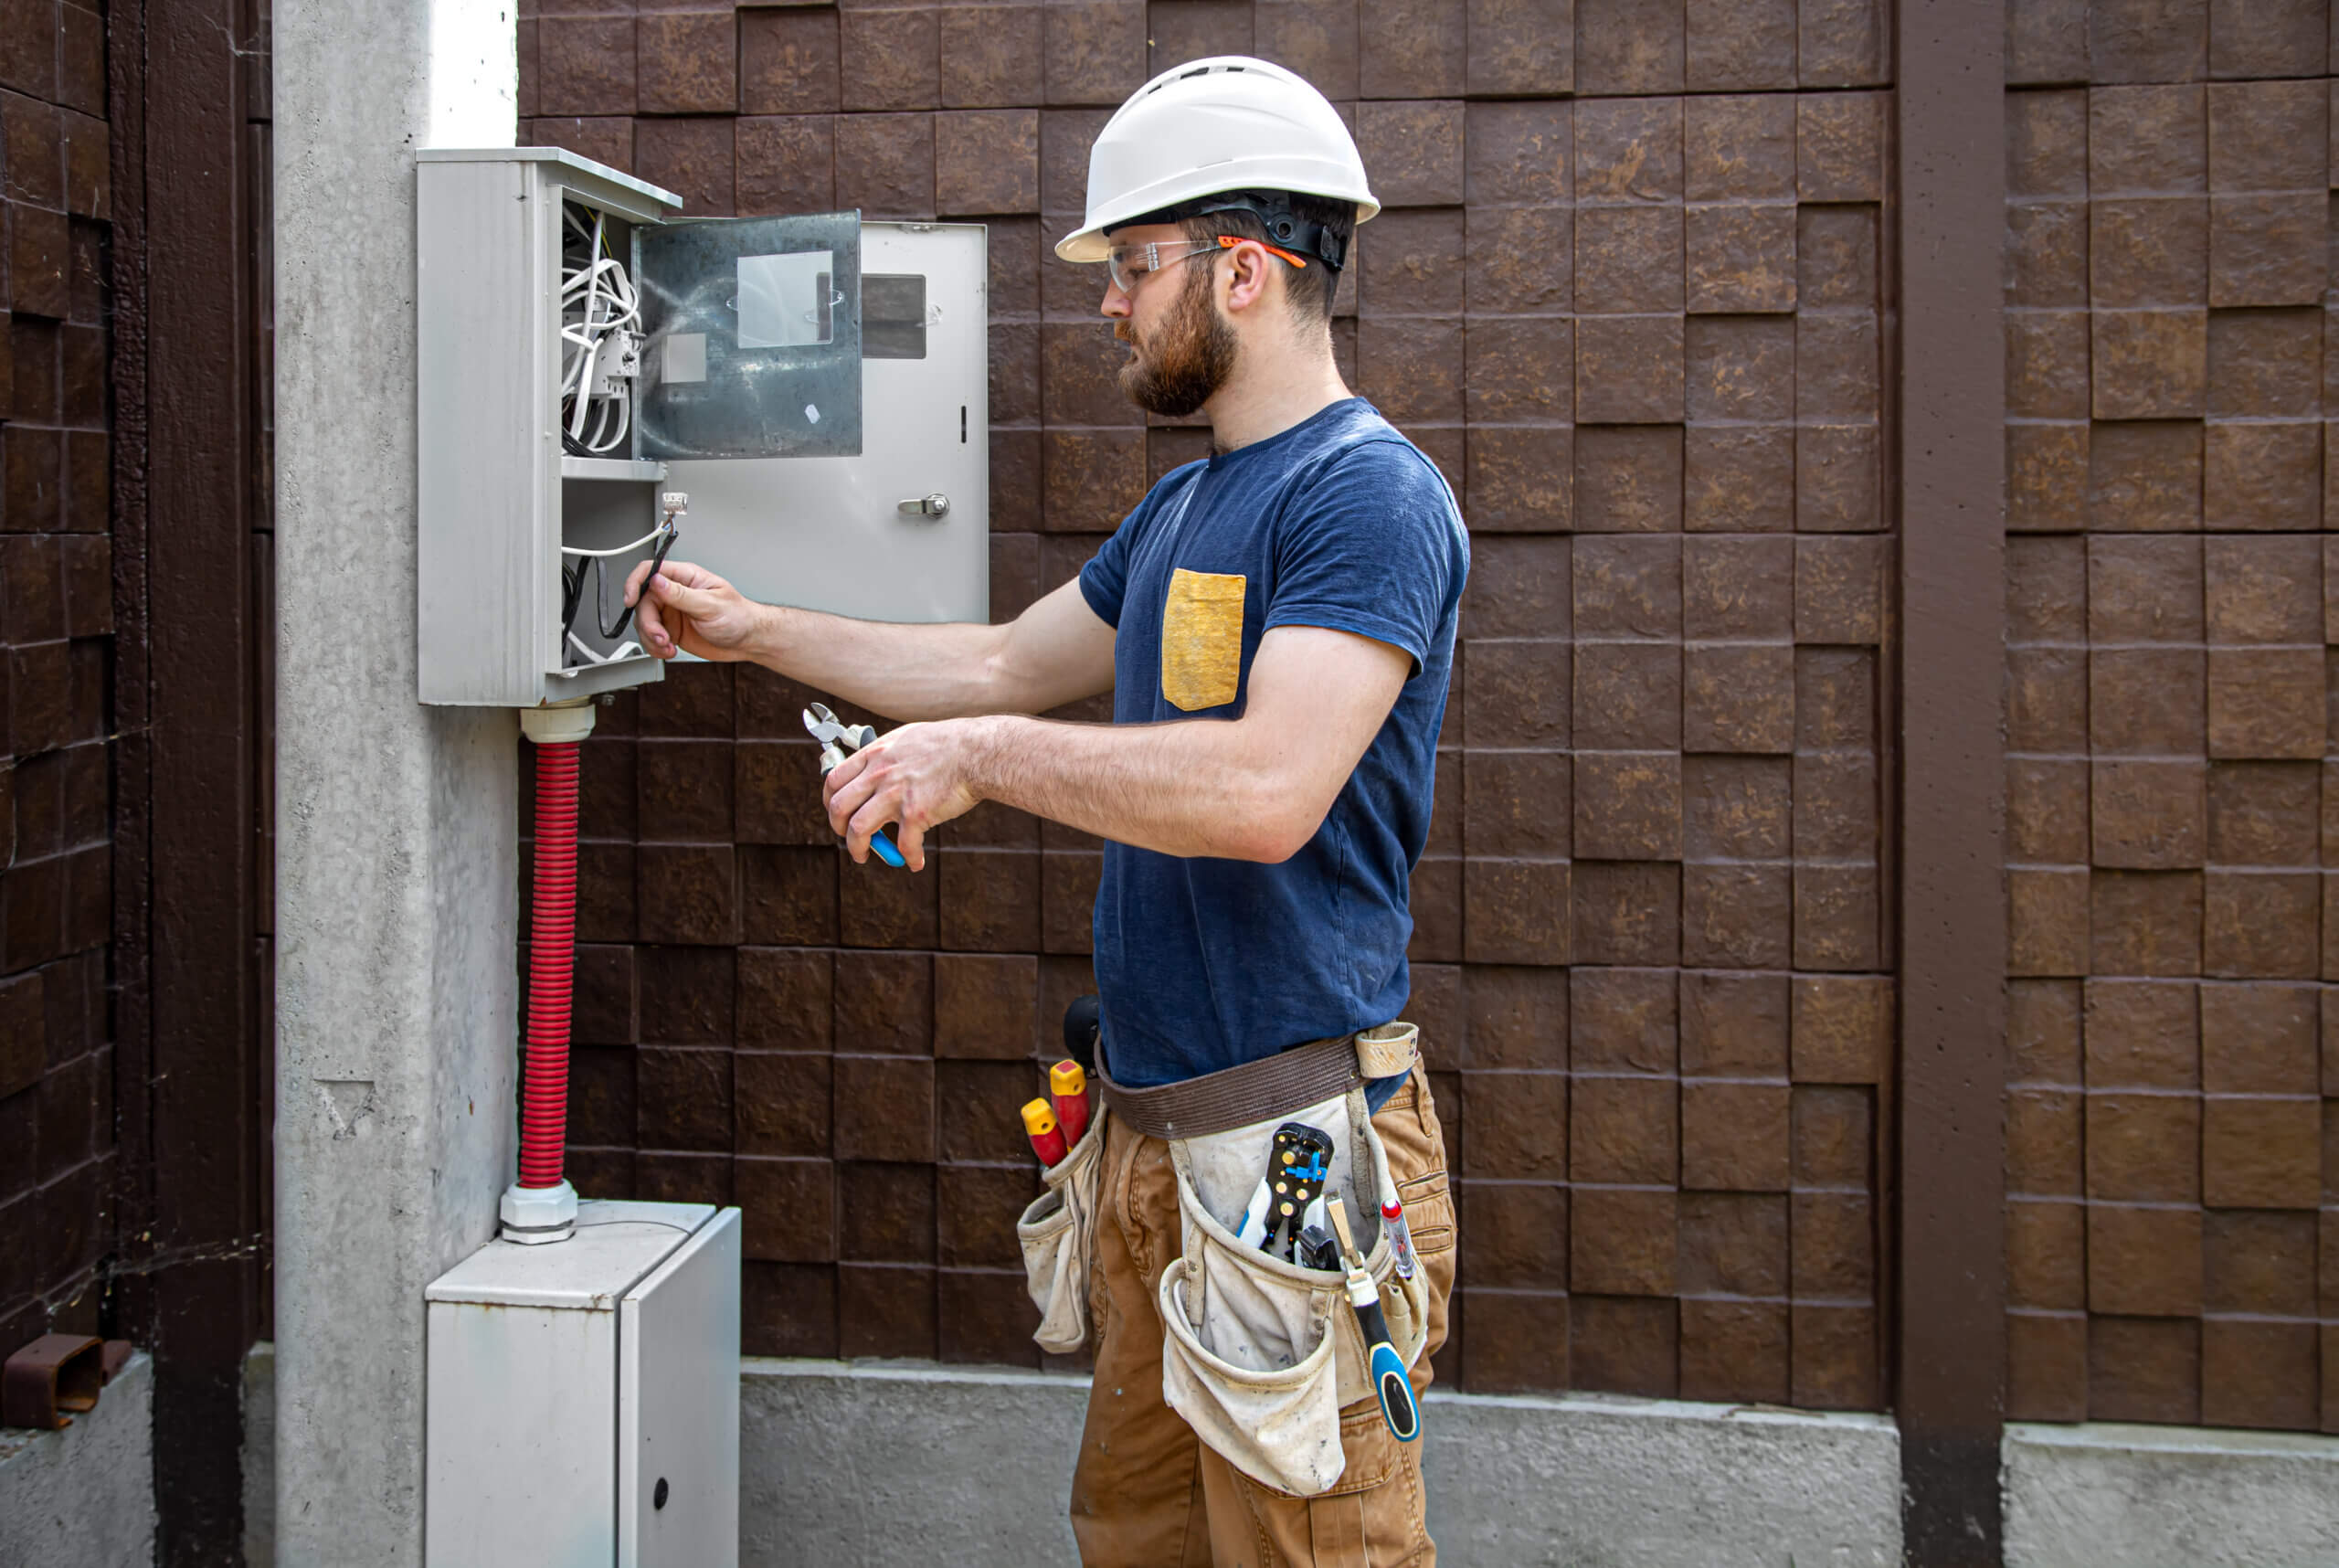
(1209, 127)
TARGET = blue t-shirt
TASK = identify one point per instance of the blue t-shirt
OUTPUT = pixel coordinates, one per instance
(1338, 522)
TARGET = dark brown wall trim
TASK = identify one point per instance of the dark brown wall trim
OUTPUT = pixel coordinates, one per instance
(1952, 1272)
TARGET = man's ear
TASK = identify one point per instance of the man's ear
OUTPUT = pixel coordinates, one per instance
(1247, 282)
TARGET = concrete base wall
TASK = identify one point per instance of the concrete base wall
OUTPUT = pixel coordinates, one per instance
(84, 1497)
(2168, 1496)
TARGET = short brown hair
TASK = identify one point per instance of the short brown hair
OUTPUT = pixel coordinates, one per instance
(1311, 289)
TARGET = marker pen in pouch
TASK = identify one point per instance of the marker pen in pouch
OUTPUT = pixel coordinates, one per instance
(1047, 1138)
(1401, 1239)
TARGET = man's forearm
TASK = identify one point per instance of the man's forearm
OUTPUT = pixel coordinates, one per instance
(903, 672)
(1195, 787)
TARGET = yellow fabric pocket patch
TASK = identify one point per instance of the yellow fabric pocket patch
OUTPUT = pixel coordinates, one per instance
(1201, 639)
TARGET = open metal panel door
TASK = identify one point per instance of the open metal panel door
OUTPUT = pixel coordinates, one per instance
(753, 329)
(901, 532)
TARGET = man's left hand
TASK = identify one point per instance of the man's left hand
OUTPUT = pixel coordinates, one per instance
(917, 776)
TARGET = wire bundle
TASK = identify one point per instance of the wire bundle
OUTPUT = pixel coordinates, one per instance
(596, 301)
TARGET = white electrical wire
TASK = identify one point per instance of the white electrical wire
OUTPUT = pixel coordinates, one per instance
(598, 301)
(649, 538)
(626, 650)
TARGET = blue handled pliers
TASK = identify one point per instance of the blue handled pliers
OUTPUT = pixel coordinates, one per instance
(836, 738)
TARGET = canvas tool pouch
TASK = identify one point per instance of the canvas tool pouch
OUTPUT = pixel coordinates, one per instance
(1259, 1355)
(1056, 1234)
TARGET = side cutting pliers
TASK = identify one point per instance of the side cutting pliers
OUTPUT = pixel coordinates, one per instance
(836, 739)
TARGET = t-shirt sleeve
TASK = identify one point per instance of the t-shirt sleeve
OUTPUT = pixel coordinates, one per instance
(1375, 548)
(1105, 580)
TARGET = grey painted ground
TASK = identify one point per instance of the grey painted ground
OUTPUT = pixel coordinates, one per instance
(84, 1497)
(2169, 1497)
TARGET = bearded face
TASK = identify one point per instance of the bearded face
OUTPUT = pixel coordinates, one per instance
(1181, 362)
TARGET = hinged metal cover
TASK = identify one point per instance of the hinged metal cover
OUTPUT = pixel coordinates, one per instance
(755, 337)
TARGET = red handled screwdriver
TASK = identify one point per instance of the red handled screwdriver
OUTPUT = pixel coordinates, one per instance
(1069, 1087)
(1047, 1138)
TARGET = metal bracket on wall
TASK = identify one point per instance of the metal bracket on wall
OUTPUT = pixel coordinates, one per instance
(55, 1373)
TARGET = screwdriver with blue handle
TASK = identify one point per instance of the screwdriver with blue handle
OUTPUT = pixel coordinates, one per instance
(837, 737)
(1390, 1383)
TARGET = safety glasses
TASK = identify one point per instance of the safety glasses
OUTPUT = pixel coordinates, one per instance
(1127, 264)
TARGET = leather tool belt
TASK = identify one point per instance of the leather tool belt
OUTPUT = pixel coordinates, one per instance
(1257, 1091)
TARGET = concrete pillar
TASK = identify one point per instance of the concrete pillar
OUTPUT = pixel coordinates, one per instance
(397, 856)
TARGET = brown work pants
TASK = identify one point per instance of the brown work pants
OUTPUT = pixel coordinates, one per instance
(1147, 1493)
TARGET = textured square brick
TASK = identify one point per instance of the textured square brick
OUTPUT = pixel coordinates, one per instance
(1837, 478)
(1628, 806)
(1736, 914)
(1740, 368)
(585, 65)
(1515, 1235)
(985, 1317)
(2265, 703)
(2266, 135)
(892, 1101)
(1734, 1350)
(1517, 911)
(789, 62)
(1509, 688)
(1733, 1025)
(1518, 1126)
(1838, 367)
(1834, 1359)
(686, 63)
(1314, 37)
(1519, 478)
(1734, 1137)
(1732, 1244)
(1626, 695)
(2149, 816)
(2143, 1368)
(2260, 924)
(2144, 1147)
(1837, 909)
(1622, 1241)
(2142, 1035)
(987, 161)
(1628, 369)
(890, 58)
(780, 1104)
(1734, 47)
(1628, 46)
(1738, 698)
(1518, 153)
(1519, 259)
(1627, 586)
(2259, 1374)
(1842, 1028)
(2145, 922)
(1835, 697)
(1839, 147)
(2043, 1031)
(787, 1309)
(2143, 1262)
(2267, 249)
(975, 1207)
(1412, 263)
(2260, 1153)
(1624, 1345)
(1624, 1021)
(2144, 477)
(1627, 912)
(1628, 259)
(1522, 47)
(2148, 250)
(1737, 587)
(990, 900)
(2047, 367)
(2264, 814)
(1739, 480)
(1842, 43)
(984, 1005)
(2045, 1245)
(2146, 700)
(2047, 1366)
(1079, 375)
(1834, 1137)
(783, 163)
(2047, 597)
(2046, 253)
(38, 251)
(1091, 477)
(2260, 1039)
(1523, 588)
(692, 157)
(2144, 589)
(2151, 138)
(2262, 477)
(787, 1208)
(1628, 478)
(2149, 364)
(2044, 1143)
(2265, 363)
(2259, 1262)
(1517, 1017)
(1414, 148)
(1519, 369)
(886, 1309)
(888, 1212)
(1833, 1249)
(1412, 368)
(1839, 591)
(1736, 807)
(1516, 803)
(2047, 802)
(1738, 148)
(885, 164)
(1837, 257)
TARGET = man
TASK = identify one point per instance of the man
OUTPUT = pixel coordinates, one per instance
(1277, 625)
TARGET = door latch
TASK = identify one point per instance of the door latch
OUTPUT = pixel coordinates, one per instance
(934, 505)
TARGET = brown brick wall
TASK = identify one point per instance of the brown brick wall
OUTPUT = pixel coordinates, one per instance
(2169, 374)
(57, 1121)
(1628, 292)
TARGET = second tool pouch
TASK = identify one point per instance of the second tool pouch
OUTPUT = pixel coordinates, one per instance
(1056, 1231)
(1259, 1355)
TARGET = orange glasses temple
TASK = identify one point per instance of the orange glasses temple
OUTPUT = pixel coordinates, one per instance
(1228, 242)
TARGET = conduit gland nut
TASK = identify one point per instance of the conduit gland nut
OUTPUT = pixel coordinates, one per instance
(534, 1215)
(54, 1374)
(558, 724)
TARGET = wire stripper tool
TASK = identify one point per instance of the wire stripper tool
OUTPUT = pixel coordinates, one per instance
(836, 738)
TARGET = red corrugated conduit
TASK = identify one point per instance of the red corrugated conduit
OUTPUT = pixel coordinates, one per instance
(552, 966)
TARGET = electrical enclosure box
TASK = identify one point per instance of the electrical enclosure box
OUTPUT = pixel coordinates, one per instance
(815, 385)
(583, 1397)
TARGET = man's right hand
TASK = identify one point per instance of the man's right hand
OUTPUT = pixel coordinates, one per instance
(690, 608)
